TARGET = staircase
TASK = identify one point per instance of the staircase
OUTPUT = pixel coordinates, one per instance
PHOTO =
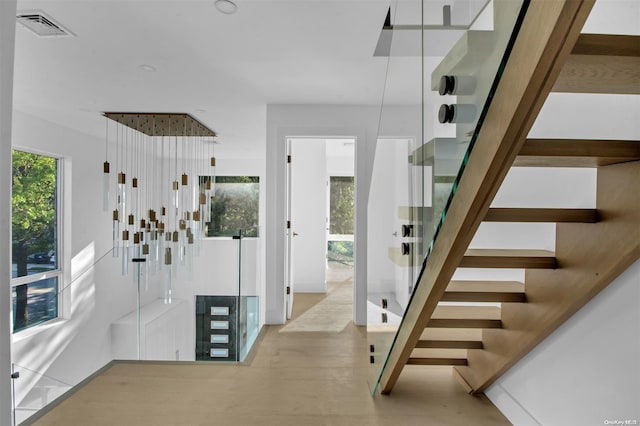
(484, 327)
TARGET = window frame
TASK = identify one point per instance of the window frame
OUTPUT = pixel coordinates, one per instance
(59, 271)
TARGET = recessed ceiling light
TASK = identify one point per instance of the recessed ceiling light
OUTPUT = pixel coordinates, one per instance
(148, 68)
(200, 111)
(226, 6)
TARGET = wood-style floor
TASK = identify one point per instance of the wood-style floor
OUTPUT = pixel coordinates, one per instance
(296, 378)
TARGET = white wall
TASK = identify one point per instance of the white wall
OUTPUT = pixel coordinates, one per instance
(308, 214)
(93, 292)
(587, 371)
(7, 49)
(297, 120)
(360, 122)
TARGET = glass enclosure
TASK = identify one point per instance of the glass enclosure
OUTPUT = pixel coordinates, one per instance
(443, 62)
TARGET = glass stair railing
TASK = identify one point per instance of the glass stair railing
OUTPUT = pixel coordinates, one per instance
(33, 390)
(443, 66)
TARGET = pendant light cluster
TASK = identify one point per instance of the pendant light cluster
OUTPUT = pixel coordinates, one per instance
(164, 176)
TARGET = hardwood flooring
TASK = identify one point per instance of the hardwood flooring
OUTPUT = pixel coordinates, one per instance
(305, 378)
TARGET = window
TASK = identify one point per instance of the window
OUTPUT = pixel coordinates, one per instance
(341, 217)
(234, 206)
(35, 270)
(341, 205)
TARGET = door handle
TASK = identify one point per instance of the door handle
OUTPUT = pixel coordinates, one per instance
(295, 234)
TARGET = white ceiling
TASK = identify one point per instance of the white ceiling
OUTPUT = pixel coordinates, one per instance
(225, 69)
(228, 66)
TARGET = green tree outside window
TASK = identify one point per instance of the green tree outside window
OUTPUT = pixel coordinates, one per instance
(33, 224)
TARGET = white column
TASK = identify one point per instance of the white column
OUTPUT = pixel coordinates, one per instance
(7, 47)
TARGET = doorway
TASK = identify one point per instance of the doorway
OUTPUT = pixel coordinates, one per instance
(319, 244)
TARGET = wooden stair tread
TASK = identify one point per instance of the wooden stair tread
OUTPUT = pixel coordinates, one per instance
(541, 215)
(607, 45)
(466, 317)
(439, 353)
(451, 334)
(486, 286)
(451, 338)
(466, 312)
(484, 291)
(450, 344)
(602, 63)
(500, 258)
(517, 214)
(576, 152)
(436, 361)
(396, 256)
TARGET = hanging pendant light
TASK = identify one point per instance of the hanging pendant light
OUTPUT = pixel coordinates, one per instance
(159, 212)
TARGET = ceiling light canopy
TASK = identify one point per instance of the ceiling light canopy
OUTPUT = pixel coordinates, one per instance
(226, 6)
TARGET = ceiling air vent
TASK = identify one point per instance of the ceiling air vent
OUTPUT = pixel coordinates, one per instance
(42, 24)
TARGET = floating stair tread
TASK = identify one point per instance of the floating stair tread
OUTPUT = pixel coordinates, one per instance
(607, 45)
(500, 258)
(465, 317)
(451, 338)
(436, 361)
(439, 353)
(412, 213)
(466, 312)
(464, 56)
(576, 152)
(503, 214)
(602, 63)
(443, 334)
(446, 149)
(485, 291)
(396, 256)
(450, 344)
(541, 215)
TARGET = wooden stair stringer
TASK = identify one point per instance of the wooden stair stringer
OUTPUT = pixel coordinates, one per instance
(590, 257)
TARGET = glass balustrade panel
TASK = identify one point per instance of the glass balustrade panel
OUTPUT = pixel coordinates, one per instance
(441, 72)
(396, 188)
(33, 390)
